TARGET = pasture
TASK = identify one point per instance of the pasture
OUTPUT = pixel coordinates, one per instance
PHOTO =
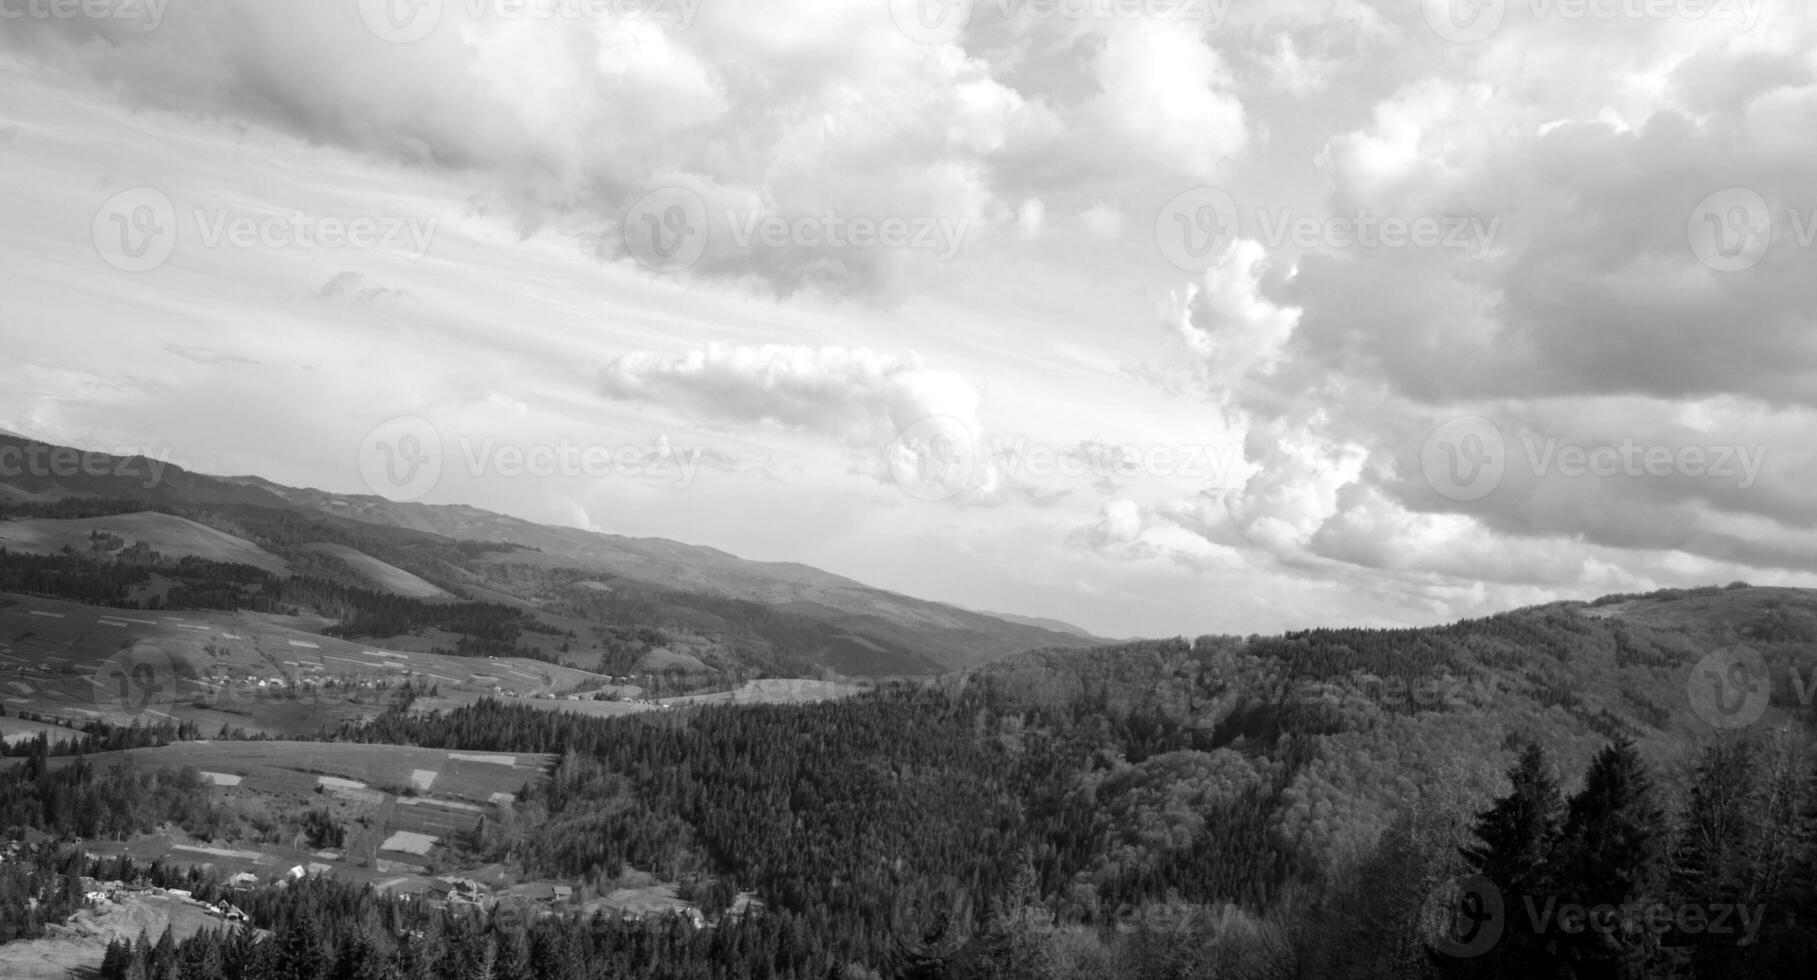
(166, 534)
(260, 672)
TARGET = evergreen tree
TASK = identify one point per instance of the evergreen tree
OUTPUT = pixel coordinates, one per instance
(1516, 836)
(1611, 856)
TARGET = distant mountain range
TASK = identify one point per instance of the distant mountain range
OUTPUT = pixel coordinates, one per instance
(862, 629)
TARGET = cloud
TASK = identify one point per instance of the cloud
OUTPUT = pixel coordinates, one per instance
(761, 109)
(850, 394)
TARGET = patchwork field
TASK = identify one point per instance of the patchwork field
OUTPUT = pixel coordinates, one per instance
(255, 671)
(406, 800)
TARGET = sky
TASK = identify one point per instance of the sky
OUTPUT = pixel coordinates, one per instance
(1155, 316)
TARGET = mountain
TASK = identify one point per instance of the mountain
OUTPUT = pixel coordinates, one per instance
(1057, 625)
(799, 614)
(950, 635)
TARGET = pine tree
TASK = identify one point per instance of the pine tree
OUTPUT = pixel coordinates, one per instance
(1612, 854)
(1517, 836)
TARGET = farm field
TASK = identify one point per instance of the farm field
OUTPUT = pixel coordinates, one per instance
(387, 577)
(773, 691)
(405, 801)
(14, 730)
(440, 778)
(166, 534)
(77, 947)
(264, 673)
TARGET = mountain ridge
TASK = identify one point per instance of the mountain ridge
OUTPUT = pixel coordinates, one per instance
(921, 633)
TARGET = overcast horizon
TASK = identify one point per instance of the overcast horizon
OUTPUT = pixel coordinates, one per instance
(1153, 316)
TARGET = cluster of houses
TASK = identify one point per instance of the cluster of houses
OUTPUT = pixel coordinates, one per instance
(115, 892)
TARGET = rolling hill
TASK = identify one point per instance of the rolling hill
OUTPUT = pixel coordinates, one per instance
(952, 636)
(166, 534)
(809, 617)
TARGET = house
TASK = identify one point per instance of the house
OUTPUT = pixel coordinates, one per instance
(564, 893)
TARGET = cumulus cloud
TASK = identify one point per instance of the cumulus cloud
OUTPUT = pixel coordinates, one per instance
(845, 393)
(763, 111)
(1592, 325)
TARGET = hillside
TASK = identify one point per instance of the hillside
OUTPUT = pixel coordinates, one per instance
(762, 617)
(954, 636)
(387, 577)
(166, 534)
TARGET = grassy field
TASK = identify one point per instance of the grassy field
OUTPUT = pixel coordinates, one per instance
(301, 768)
(76, 948)
(164, 533)
(388, 578)
(256, 671)
(400, 804)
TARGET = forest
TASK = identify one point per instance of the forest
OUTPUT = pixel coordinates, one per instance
(1225, 808)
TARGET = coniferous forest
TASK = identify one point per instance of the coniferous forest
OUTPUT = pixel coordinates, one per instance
(1067, 815)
